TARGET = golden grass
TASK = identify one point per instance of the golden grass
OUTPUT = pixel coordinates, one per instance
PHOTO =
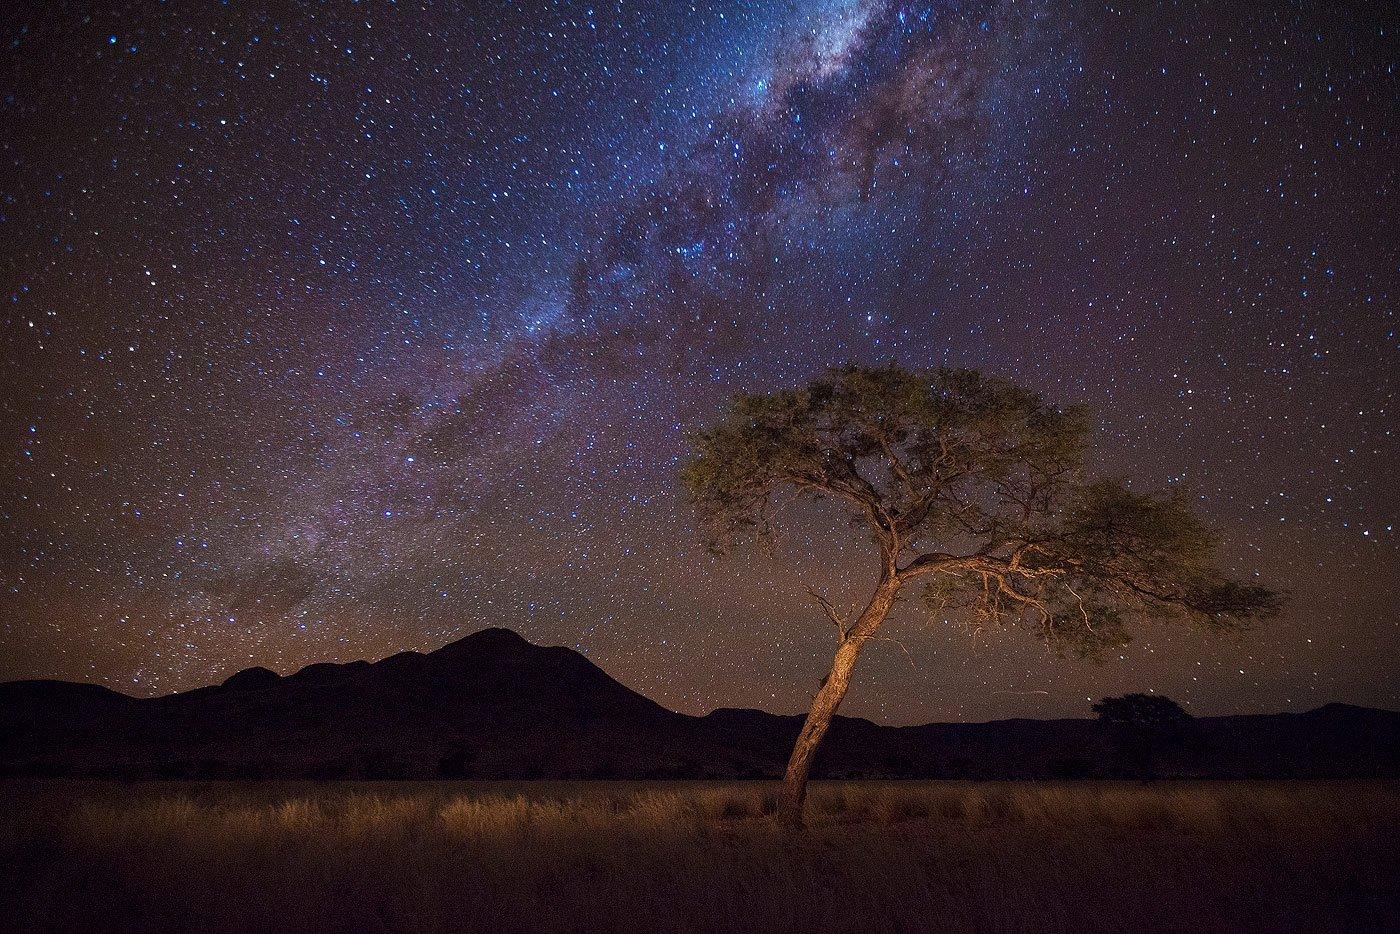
(700, 857)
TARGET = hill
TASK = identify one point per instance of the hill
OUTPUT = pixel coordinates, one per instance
(493, 705)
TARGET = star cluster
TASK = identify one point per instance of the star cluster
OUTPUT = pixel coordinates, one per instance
(337, 329)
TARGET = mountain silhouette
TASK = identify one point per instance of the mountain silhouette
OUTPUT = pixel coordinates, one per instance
(494, 706)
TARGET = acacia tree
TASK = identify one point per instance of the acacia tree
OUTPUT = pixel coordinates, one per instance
(1143, 725)
(973, 487)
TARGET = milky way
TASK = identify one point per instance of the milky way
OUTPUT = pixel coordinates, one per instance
(335, 330)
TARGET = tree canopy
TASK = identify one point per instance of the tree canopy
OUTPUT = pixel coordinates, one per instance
(1141, 712)
(976, 487)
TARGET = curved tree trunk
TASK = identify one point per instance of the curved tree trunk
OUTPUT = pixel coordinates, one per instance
(793, 796)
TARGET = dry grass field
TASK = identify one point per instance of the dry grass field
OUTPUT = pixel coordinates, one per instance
(623, 856)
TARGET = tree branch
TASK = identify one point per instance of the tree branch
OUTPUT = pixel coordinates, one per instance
(836, 618)
(933, 561)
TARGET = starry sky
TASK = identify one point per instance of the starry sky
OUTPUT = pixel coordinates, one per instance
(337, 329)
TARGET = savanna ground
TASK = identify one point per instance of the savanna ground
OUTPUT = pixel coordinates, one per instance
(619, 856)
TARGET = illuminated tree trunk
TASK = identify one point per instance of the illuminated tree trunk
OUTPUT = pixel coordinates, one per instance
(793, 796)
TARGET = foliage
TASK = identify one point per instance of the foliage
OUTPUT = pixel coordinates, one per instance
(978, 487)
(1148, 712)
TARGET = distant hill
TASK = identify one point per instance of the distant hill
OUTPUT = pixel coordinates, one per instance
(493, 705)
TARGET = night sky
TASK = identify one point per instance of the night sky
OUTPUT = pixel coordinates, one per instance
(337, 329)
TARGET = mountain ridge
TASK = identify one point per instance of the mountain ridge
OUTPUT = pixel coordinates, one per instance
(494, 705)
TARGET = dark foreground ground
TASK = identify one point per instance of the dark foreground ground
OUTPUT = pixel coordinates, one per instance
(601, 856)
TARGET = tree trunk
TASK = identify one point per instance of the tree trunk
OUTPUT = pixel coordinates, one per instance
(793, 796)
